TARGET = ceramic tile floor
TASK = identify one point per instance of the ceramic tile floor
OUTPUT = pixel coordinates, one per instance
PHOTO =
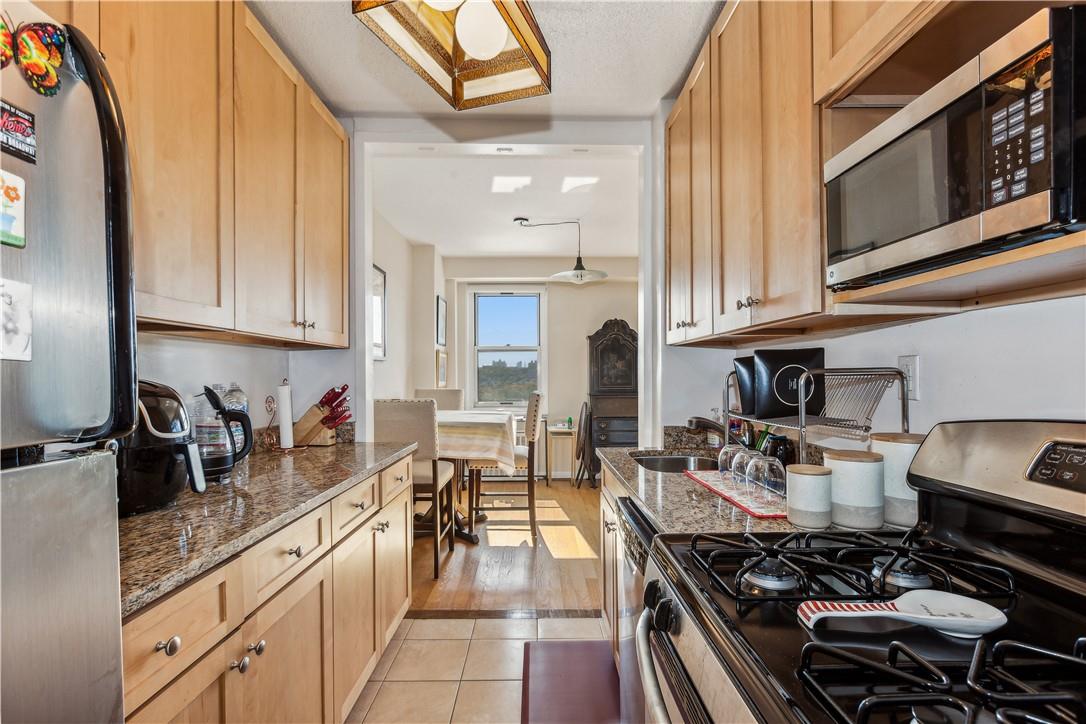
(458, 670)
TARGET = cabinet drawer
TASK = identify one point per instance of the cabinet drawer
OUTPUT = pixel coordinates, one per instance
(273, 562)
(605, 424)
(187, 623)
(395, 478)
(614, 439)
(353, 507)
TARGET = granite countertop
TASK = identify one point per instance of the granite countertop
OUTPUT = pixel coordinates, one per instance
(164, 549)
(676, 504)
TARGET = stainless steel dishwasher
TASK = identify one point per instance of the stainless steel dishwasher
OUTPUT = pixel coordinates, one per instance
(635, 538)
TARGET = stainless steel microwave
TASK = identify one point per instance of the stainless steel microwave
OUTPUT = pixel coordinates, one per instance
(992, 157)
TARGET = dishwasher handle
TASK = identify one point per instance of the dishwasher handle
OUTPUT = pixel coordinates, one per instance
(655, 708)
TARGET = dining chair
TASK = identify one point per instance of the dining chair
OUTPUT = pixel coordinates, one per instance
(584, 426)
(448, 398)
(416, 420)
(524, 456)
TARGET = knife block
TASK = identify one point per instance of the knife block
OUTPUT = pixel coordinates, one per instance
(309, 430)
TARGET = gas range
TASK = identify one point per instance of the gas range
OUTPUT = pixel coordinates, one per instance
(990, 528)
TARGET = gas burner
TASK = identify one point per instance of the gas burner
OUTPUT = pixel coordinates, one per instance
(768, 577)
(905, 574)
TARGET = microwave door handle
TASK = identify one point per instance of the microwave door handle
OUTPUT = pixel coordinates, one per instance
(655, 708)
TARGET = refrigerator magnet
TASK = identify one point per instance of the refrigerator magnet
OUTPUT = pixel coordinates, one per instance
(18, 135)
(15, 320)
(12, 210)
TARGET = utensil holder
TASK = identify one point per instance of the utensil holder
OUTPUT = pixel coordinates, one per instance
(309, 431)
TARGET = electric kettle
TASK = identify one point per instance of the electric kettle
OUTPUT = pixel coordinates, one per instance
(160, 457)
(218, 451)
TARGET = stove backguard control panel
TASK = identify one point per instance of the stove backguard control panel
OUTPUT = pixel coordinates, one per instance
(1062, 464)
(1018, 112)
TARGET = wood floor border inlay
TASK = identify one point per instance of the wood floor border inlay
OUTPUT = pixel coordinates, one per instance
(516, 613)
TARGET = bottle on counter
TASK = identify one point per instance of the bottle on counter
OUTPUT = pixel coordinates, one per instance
(236, 399)
(211, 434)
(715, 443)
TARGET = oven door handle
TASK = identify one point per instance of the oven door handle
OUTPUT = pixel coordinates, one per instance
(655, 708)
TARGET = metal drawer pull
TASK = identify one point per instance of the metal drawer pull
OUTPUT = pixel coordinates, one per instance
(381, 527)
(400, 478)
(311, 325)
(295, 551)
(170, 647)
(242, 666)
(360, 506)
(301, 324)
(258, 648)
(611, 527)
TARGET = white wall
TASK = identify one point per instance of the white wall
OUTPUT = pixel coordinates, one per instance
(392, 376)
(1021, 361)
(428, 280)
(187, 365)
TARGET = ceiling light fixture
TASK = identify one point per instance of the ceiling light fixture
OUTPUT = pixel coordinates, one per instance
(578, 274)
(472, 52)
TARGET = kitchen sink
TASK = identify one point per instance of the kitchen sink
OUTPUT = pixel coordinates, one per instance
(674, 463)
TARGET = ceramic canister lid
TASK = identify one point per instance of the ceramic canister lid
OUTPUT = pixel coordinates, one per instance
(801, 469)
(858, 456)
(907, 438)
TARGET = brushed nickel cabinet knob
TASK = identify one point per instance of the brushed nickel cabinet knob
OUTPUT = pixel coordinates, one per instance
(295, 551)
(258, 648)
(360, 506)
(739, 305)
(170, 647)
(242, 666)
(311, 325)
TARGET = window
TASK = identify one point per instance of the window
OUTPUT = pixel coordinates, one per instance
(507, 347)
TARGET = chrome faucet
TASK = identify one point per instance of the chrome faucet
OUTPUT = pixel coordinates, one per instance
(704, 423)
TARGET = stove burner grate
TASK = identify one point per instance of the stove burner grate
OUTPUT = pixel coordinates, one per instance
(1019, 683)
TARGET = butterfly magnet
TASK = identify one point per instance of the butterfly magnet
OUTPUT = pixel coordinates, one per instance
(38, 51)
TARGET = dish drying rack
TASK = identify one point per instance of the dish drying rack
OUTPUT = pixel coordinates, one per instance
(852, 396)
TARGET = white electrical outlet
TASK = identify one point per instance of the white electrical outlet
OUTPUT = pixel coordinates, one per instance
(910, 365)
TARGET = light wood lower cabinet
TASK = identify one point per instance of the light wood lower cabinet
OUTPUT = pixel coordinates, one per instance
(393, 549)
(357, 642)
(291, 681)
(210, 691)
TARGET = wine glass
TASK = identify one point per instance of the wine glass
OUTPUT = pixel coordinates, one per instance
(767, 472)
(727, 454)
(740, 461)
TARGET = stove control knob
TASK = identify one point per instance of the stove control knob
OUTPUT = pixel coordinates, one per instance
(653, 591)
(664, 619)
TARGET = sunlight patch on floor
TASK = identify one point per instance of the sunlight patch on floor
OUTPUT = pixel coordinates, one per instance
(565, 542)
(497, 536)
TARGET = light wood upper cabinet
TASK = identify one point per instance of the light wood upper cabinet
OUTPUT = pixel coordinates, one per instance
(323, 160)
(357, 643)
(291, 681)
(678, 246)
(268, 98)
(178, 114)
(393, 567)
(737, 162)
(853, 36)
(786, 273)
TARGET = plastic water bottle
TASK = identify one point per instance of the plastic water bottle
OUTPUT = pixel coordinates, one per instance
(236, 399)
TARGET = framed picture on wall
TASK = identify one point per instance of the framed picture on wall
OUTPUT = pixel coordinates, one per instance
(442, 316)
(442, 368)
(380, 312)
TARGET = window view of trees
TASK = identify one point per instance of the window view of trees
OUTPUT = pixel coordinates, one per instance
(506, 347)
(506, 381)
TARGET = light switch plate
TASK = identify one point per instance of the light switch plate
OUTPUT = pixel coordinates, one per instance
(910, 365)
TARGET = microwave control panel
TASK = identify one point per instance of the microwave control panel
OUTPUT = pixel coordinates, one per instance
(1018, 130)
(1062, 464)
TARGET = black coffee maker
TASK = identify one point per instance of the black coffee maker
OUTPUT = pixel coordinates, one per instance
(156, 461)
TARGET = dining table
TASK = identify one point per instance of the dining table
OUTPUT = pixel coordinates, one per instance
(476, 438)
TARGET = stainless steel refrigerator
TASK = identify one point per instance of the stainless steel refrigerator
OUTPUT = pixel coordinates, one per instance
(67, 375)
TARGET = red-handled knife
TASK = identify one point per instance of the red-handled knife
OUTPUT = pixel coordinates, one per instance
(331, 417)
(338, 397)
(331, 395)
(339, 406)
(340, 421)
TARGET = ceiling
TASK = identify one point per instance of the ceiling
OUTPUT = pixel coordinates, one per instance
(449, 200)
(610, 58)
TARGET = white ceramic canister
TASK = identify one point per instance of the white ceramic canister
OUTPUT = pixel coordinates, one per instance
(809, 502)
(897, 450)
(857, 488)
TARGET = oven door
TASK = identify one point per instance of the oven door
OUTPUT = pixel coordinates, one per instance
(681, 677)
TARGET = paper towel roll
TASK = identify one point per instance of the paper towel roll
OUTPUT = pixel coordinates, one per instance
(286, 417)
(897, 450)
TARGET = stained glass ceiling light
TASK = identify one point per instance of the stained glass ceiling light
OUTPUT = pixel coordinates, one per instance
(473, 53)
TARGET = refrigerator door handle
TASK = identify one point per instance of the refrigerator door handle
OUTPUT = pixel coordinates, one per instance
(191, 451)
(118, 239)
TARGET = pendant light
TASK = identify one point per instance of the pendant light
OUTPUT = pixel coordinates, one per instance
(578, 274)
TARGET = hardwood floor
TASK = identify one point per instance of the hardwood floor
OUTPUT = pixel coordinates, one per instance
(506, 572)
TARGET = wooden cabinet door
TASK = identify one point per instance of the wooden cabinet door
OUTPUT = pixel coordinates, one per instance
(787, 272)
(853, 36)
(608, 538)
(268, 93)
(291, 681)
(84, 14)
(737, 161)
(177, 104)
(699, 90)
(356, 644)
(209, 691)
(325, 184)
(393, 552)
(678, 243)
